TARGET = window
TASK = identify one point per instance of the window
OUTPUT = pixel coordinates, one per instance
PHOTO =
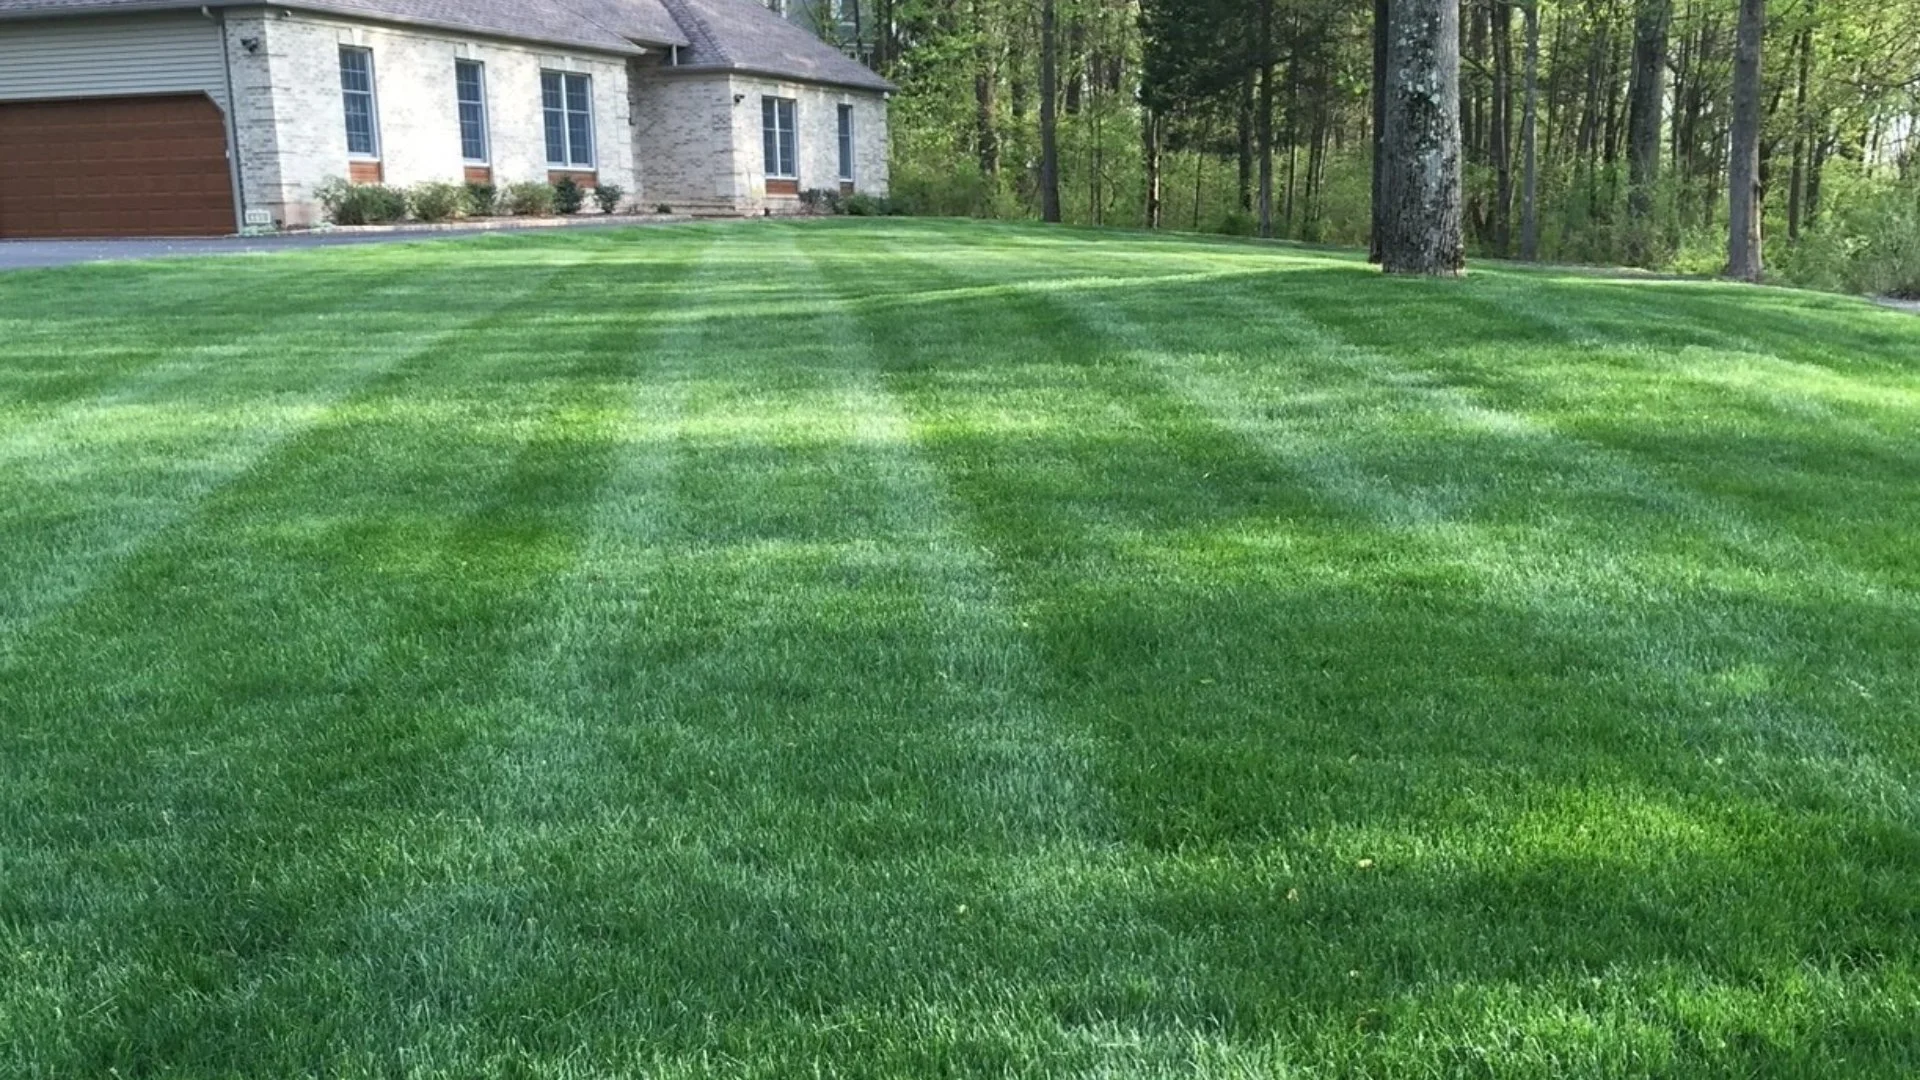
(567, 101)
(470, 90)
(776, 125)
(846, 143)
(356, 90)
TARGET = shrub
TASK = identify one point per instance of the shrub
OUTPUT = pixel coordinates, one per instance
(663, 208)
(818, 201)
(568, 196)
(861, 204)
(435, 201)
(361, 204)
(481, 197)
(1235, 222)
(530, 198)
(609, 196)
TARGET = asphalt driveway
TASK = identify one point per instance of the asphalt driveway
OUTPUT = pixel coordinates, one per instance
(31, 254)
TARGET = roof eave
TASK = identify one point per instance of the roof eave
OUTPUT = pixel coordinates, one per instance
(879, 86)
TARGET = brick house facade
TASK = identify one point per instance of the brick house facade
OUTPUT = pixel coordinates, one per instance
(688, 103)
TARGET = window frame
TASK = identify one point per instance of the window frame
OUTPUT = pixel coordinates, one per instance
(775, 152)
(460, 104)
(844, 140)
(371, 93)
(566, 113)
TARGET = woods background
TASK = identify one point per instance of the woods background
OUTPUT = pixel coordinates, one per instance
(1255, 117)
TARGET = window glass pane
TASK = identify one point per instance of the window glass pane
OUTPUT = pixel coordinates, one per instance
(553, 106)
(846, 142)
(577, 93)
(356, 95)
(787, 148)
(550, 90)
(769, 136)
(473, 110)
(580, 138)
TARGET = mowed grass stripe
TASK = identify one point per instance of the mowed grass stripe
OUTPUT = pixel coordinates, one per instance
(86, 487)
(1365, 780)
(251, 712)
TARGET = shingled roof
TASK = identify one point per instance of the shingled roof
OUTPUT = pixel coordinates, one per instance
(740, 35)
(708, 35)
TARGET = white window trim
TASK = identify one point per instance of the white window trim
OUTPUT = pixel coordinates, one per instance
(792, 129)
(566, 129)
(486, 114)
(373, 103)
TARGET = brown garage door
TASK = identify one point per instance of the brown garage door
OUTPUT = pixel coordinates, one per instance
(114, 167)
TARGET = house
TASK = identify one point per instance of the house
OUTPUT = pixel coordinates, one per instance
(181, 117)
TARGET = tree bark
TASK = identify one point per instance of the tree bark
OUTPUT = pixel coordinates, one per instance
(1376, 235)
(1423, 139)
(1743, 163)
(1501, 134)
(1263, 120)
(986, 81)
(1647, 95)
(1150, 123)
(1802, 133)
(1244, 132)
(1529, 128)
(1049, 122)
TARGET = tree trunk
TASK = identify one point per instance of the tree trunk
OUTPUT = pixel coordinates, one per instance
(1802, 133)
(1150, 123)
(986, 80)
(1529, 126)
(1743, 164)
(1245, 134)
(1647, 95)
(1376, 235)
(1423, 139)
(1049, 93)
(1502, 129)
(1263, 119)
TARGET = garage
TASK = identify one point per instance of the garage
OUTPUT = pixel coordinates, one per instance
(138, 166)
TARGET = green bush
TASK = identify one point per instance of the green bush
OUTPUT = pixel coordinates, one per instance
(568, 196)
(1867, 240)
(663, 208)
(1235, 222)
(361, 204)
(437, 201)
(481, 198)
(608, 196)
(861, 204)
(529, 198)
(818, 201)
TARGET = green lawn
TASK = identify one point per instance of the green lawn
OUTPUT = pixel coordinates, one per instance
(923, 649)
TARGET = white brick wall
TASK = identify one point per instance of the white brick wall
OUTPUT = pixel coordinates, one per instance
(674, 139)
(816, 123)
(293, 124)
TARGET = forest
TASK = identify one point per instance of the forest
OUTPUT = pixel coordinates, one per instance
(1591, 131)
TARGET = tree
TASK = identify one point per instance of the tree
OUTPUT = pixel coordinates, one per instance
(1422, 233)
(1529, 125)
(1376, 236)
(1743, 164)
(1646, 95)
(1049, 119)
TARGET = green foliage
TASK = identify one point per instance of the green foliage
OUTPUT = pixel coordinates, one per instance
(818, 201)
(361, 204)
(568, 196)
(481, 198)
(938, 192)
(436, 201)
(608, 196)
(530, 198)
(1868, 242)
(862, 204)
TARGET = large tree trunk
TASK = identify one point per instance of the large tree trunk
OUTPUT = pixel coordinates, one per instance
(1529, 128)
(1743, 164)
(1423, 139)
(1377, 234)
(1647, 95)
(1049, 121)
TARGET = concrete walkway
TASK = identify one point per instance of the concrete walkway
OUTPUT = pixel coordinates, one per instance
(32, 254)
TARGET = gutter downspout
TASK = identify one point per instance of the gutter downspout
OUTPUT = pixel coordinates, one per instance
(233, 124)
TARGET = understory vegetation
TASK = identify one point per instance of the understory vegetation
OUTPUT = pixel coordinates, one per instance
(892, 648)
(1168, 108)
